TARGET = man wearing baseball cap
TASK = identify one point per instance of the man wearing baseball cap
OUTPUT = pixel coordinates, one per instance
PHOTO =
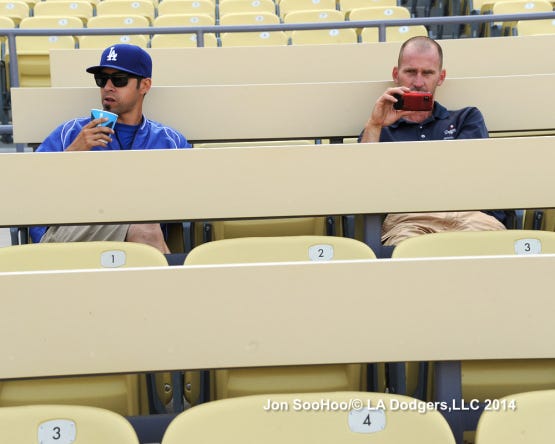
(124, 78)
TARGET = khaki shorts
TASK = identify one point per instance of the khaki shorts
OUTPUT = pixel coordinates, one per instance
(397, 227)
(86, 233)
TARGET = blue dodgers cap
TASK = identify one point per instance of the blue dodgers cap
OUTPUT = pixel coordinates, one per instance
(127, 58)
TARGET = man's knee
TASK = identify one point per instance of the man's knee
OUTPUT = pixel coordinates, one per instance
(150, 234)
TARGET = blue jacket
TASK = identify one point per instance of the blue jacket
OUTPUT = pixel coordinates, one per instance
(149, 135)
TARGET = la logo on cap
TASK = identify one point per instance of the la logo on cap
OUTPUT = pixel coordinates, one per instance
(112, 55)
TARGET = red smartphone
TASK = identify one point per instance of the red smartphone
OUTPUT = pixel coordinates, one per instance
(414, 101)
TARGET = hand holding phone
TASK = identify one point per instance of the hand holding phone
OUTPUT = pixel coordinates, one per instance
(414, 101)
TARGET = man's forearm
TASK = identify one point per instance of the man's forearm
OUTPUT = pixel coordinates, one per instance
(371, 134)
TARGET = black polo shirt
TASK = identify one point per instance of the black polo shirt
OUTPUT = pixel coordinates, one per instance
(465, 123)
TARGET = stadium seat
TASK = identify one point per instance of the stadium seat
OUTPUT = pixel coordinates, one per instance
(182, 40)
(127, 8)
(393, 33)
(240, 382)
(287, 6)
(65, 424)
(93, 2)
(250, 18)
(522, 418)
(301, 418)
(117, 22)
(184, 20)
(195, 7)
(477, 243)
(490, 378)
(535, 27)
(377, 13)
(124, 394)
(294, 226)
(6, 22)
(15, 10)
(239, 6)
(539, 219)
(321, 16)
(348, 5)
(511, 7)
(33, 51)
(471, 7)
(323, 36)
(59, 8)
(264, 38)
(218, 230)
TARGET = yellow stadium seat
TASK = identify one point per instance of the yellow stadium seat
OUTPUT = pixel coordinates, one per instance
(539, 219)
(194, 7)
(117, 22)
(144, 8)
(264, 38)
(535, 27)
(64, 424)
(316, 16)
(319, 16)
(240, 382)
(287, 6)
(323, 36)
(348, 5)
(92, 2)
(154, 2)
(300, 418)
(509, 7)
(379, 13)
(490, 379)
(16, 10)
(33, 51)
(398, 33)
(516, 7)
(75, 8)
(250, 18)
(393, 33)
(124, 394)
(232, 229)
(187, 20)
(6, 22)
(182, 40)
(239, 6)
(522, 418)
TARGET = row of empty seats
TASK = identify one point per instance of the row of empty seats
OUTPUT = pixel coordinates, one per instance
(294, 13)
(136, 19)
(382, 418)
(347, 35)
(500, 7)
(131, 394)
(497, 7)
(195, 7)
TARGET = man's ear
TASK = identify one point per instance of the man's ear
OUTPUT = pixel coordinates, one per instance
(145, 85)
(395, 75)
(442, 75)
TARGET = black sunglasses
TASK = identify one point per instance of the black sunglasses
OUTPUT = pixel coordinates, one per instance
(119, 80)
